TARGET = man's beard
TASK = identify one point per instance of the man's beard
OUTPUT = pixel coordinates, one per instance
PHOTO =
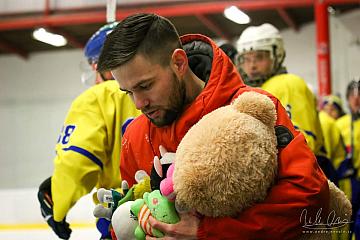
(175, 105)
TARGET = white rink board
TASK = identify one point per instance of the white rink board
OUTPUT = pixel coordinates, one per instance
(21, 218)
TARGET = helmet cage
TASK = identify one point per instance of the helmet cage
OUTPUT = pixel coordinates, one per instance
(272, 45)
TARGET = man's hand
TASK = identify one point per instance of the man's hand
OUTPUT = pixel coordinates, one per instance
(62, 228)
(185, 229)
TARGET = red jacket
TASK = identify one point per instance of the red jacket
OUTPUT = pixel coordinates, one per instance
(300, 185)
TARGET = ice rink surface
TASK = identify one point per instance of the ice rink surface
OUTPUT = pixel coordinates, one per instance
(21, 219)
(47, 234)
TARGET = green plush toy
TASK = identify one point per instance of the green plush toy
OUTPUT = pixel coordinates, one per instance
(155, 205)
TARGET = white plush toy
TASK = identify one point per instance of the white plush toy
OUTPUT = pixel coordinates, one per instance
(123, 222)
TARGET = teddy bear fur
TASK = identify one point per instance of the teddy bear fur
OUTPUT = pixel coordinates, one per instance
(227, 162)
(229, 154)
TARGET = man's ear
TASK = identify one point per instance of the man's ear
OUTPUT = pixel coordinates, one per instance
(179, 62)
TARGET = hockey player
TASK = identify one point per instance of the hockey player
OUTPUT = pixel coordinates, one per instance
(88, 148)
(260, 60)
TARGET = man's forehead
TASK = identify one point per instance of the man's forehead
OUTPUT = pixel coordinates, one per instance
(136, 65)
(355, 93)
(256, 52)
(130, 76)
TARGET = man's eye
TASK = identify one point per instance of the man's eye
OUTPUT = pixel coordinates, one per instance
(245, 59)
(259, 57)
(145, 86)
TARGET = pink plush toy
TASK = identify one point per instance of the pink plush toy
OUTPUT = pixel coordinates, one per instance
(167, 186)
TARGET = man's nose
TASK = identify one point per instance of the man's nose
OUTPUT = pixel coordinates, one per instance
(253, 64)
(140, 101)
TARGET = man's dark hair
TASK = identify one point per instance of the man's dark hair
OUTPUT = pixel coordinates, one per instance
(353, 85)
(153, 36)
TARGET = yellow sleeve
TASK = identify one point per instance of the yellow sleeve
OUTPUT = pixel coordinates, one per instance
(88, 149)
(334, 145)
(300, 104)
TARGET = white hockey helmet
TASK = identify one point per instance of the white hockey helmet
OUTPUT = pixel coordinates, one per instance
(264, 37)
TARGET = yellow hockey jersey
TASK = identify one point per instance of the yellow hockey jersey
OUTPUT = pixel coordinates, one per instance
(300, 104)
(88, 148)
(344, 124)
(333, 142)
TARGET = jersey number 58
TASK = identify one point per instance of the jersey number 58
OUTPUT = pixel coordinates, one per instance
(66, 133)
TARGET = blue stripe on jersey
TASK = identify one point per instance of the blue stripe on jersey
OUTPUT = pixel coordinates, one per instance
(85, 153)
(307, 132)
(125, 124)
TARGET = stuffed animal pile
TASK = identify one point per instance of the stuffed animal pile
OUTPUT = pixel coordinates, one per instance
(226, 163)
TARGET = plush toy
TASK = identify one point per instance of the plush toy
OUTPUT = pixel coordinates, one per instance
(166, 185)
(124, 222)
(160, 167)
(114, 205)
(156, 205)
(113, 198)
(227, 162)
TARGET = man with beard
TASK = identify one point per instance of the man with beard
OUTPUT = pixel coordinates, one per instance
(175, 82)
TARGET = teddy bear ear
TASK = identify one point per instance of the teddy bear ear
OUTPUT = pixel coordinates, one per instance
(256, 105)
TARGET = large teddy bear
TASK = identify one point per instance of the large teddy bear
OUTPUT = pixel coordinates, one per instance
(227, 162)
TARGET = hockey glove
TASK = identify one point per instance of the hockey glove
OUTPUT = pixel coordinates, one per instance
(61, 229)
